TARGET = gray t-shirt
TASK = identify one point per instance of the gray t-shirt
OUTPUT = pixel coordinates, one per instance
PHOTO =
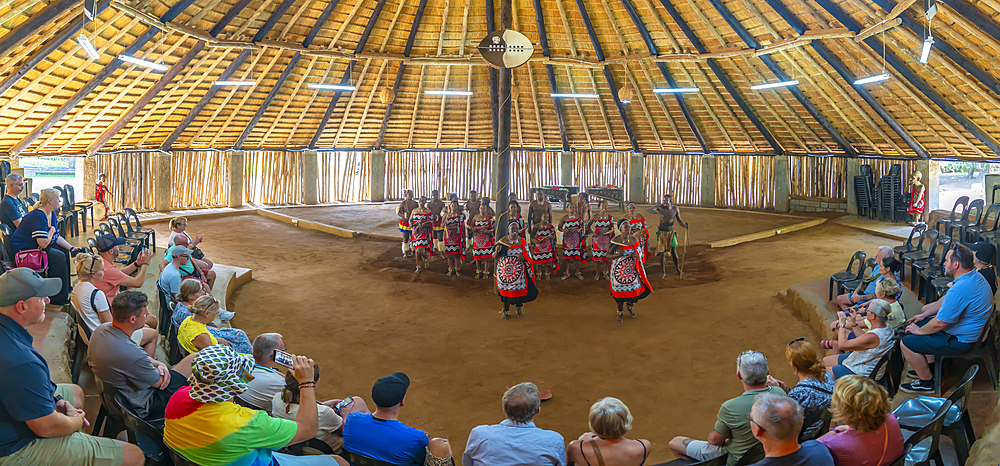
(120, 362)
(265, 384)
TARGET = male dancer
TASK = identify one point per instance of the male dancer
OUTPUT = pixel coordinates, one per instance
(583, 207)
(538, 206)
(422, 234)
(437, 205)
(472, 209)
(403, 211)
(666, 237)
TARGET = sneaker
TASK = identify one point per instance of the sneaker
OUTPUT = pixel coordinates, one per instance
(913, 374)
(226, 315)
(918, 386)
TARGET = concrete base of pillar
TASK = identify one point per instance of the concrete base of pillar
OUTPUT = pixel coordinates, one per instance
(162, 181)
(708, 181)
(931, 171)
(782, 183)
(236, 179)
(310, 177)
(376, 170)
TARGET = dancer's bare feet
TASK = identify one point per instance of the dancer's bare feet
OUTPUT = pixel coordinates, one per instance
(621, 317)
(457, 273)
(519, 308)
(504, 315)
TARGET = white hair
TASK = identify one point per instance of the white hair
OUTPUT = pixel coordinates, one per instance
(885, 251)
(752, 367)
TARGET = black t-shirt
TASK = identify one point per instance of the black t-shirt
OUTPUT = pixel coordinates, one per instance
(991, 276)
(11, 209)
(811, 453)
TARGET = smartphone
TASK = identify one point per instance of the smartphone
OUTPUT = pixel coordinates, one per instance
(283, 358)
(340, 405)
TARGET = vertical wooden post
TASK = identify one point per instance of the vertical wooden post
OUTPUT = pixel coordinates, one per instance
(502, 187)
(236, 179)
(89, 179)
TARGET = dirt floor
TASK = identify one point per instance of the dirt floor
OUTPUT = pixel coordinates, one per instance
(357, 308)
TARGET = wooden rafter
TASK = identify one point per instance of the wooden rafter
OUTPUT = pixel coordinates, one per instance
(583, 115)
(36, 22)
(666, 112)
(399, 73)
(284, 108)
(534, 101)
(550, 72)
(416, 107)
(243, 100)
(350, 103)
(346, 78)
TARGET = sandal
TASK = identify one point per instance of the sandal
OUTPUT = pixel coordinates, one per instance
(630, 311)
(579, 275)
(449, 272)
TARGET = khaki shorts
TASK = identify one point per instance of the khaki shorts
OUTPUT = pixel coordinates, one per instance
(65, 390)
(665, 240)
(700, 450)
(75, 449)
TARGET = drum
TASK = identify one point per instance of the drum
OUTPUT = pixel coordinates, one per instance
(100, 211)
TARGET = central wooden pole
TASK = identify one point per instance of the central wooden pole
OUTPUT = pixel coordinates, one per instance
(502, 189)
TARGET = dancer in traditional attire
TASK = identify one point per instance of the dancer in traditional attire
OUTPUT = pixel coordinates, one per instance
(602, 228)
(513, 214)
(543, 237)
(639, 229)
(436, 205)
(917, 191)
(666, 234)
(482, 241)
(454, 237)
(422, 236)
(515, 272)
(628, 277)
(403, 211)
(537, 207)
(573, 229)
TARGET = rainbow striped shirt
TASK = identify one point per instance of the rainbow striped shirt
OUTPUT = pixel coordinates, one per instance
(218, 434)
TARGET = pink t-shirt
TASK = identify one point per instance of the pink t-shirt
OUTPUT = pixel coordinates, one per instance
(113, 277)
(855, 448)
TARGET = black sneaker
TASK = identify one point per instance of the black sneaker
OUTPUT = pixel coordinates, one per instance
(913, 374)
(918, 386)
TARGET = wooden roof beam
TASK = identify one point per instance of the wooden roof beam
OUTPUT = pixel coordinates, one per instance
(30, 27)
(333, 104)
(272, 20)
(722, 77)
(494, 77)
(839, 67)
(543, 38)
(399, 73)
(912, 77)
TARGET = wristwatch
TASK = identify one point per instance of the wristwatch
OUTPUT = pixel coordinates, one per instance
(58, 398)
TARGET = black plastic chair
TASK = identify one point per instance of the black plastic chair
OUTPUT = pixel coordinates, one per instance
(317, 446)
(987, 223)
(926, 271)
(984, 348)
(917, 265)
(973, 215)
(110, 421)
(889, 369)
(848, 273)
(8, 251)
(92, 244)
(922, 446)
(944, 224)
(361, 460)
(908, 246)
(136, 232)
(247, 404)
(753, 455)
(920, 252)
(147, 436)
(915, 413)
(67, 214)
(866, 271)
(179, 459)
(82, 207)
(81, 344)
(815, 424)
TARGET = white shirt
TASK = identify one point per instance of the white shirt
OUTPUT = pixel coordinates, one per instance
(329, 421)
(81, 302)
(265, 384)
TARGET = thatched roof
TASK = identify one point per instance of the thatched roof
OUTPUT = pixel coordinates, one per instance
(57, 100)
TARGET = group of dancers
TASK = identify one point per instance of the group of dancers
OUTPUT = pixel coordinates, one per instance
(431, 226)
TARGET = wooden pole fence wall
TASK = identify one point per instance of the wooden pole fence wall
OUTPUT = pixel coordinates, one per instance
(822, 178)
(674, 174)
(343, 176)
(533, 169)
(601, 169)
(200, 179)
(129, 177)
(744, 182)
(447, 172)
(272, 178)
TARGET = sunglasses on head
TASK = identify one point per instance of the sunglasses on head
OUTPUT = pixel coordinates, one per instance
(796, 340)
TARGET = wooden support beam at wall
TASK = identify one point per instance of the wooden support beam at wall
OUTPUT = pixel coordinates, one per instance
(912, 77)
(399, 73)
(493, 76)
(553, 89)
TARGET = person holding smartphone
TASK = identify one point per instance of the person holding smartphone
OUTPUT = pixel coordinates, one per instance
(285, 405)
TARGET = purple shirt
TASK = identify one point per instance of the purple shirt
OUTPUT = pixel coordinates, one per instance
(855, 448)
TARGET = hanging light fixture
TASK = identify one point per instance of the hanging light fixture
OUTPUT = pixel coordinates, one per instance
(457, 93)
(871, 79)
(574, 96)
(759, 87)
(925, 52)
(141, 62)
(332, 87)
(88, 47)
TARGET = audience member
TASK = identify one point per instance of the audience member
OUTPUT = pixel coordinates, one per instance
(192, 289)
(815, 385)
(193, 334)
(114, 277)
(885, 290)
(515, 440)
(866, 289)
(982, 260)
(39, 229)
(610, 419)
(117, 361)
(178, 227)
(93, 305)
(776, 421)
(874, 338)
(268, 380)
(895, 319)
(170, 275)
(868, 434)
(195, 268)
(39, 421)
(206, 427)
(733, 421)
(11, 208)
(954, 326)
(285, 405)
(381, 436)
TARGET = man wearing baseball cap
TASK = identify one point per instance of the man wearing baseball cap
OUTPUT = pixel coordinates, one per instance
(37, 424)
(114, 277)
(170, 276)
(381, 436)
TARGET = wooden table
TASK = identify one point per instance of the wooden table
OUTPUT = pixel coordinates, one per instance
(561, 193)
(614, 194)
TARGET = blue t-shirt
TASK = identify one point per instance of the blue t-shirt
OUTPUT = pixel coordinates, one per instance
(871, 285)
(811, 453)
(11, 208)
(33, 226)
(966, 307)
(389, 441)
(186, 269)
(170, 279)
(29, 395)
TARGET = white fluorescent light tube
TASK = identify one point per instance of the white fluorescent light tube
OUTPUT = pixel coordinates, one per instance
(88, 47)
(575, 96)
(871, 79)
(461, 93)
(234, 83)
(141, 62)
(926, 51)
(675, 90)
(770, 85)
(332, 87)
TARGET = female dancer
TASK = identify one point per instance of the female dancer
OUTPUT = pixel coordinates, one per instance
(422, 234)
(482, 240)
(917, 190)
(603, 228)
(513, 214)
(515, 272)
(639, 229)
(628, 277)
(454, 237)
(574, 242)
(543, 237)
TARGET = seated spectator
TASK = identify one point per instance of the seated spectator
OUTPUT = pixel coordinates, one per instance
(114, 277)
(39, 229)
(195, 268)
(982, 260)
(191, 290)
(866, 289)
(954, 326)
(515, 440)
(868, 433)
(610, 419)
(874, 339)
(117, 361)
(733, 422)
(381, 436)
(815, 385)
(39, 421)
(285, 405)
(170, 275)
(193, 334)
(268, 380)
(178, 227)
(11, 208)
(206, 427)
(93, 305)
(895, 319)
(776, 421)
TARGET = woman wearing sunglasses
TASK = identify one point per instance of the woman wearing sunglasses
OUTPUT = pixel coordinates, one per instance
(815, 385)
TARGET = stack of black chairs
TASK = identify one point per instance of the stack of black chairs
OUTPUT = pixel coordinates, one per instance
(864, 192)
(888, 193)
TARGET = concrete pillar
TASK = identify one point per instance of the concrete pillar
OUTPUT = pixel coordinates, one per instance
(991, 181)
(310, 177)
(162, 181)
(853, 169)
(782, 183)
(566, 160)
(637, 178)
(236, 179)
(708, 180)
(376, 170)
(89, 193)
(931, 170)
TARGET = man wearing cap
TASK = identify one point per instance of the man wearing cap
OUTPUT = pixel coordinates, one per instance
(516, 440)
(170, 277)
(38, 426)
(381, 436)
(204, 425)
(195, 268)
(114, 277)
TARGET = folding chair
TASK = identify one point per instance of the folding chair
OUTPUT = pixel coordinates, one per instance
(848, 273)
(915, 413)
